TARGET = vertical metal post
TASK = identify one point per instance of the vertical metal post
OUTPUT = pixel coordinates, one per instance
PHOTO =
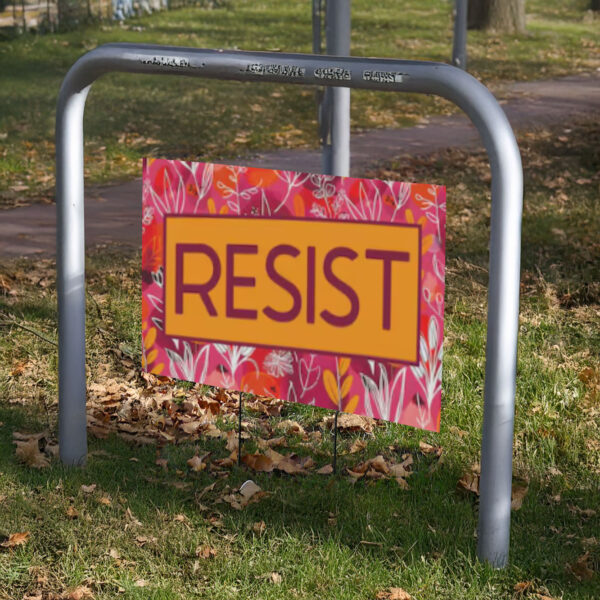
(459, 45)
(335, 435)
(70, 282)
(240, 431)
(316, 25)
(337, 31)
(502, 330)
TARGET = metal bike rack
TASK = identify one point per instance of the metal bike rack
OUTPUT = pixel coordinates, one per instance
(377, 74)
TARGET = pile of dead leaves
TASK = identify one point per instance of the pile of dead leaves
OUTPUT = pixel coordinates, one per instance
(156, 412)
(152, 410)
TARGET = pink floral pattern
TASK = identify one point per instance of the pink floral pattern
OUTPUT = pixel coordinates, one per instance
(395, 392)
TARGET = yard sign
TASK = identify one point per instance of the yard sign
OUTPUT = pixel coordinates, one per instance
(312, 288)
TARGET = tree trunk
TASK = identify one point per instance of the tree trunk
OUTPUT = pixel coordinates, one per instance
(505, 16)
(595, 4)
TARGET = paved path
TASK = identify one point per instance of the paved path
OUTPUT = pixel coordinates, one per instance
(113, 213)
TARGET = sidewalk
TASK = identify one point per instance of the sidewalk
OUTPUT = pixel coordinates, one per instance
(113, 213)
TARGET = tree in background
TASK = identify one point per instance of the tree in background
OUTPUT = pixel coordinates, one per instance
(506, 16)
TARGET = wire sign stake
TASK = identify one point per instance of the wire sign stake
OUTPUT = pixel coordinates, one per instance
(239, 459)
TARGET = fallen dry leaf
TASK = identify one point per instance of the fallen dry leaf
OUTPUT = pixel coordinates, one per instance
(581, 568)
(141, 583)
(375, 468)
(519, 491)
(258, 462)
(426, 448)
(204, 491)
(132, 520)
(276, 577)
(394, 593)
(399, 470)
(291, 427)
(180, 518)
(585, 512)
(191, 427)
(290, 464)
(142, 540)
(18, 367)
(350, 422)
(402, 483)
(587, 375)
(378, 464)
(357, 446)
(89, 489)
(589, 542)
(522, 586)
(72, 512)
(205, 552)
(163, 463)
(456, 431)
(28, 452)
(276, 442)
(233, 501)
(272, 443)
(80, 592)
(249, 493)
(326, 470)
(469, 482)
(259, 527)
(114, 554)
(407, 460)
(232, 441)
(16, 539)
(196, 463)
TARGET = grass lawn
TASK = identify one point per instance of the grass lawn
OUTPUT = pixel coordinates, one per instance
(155, 529)
(131, 117)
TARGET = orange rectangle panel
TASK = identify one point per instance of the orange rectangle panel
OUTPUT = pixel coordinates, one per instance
(350, 288)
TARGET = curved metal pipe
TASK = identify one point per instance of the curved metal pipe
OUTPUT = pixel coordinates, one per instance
(389, 75)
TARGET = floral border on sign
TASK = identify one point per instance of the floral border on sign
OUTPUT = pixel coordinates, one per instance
(395, 392)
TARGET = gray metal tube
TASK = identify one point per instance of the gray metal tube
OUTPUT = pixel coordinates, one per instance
(459, 45)
(391, 75)
(338, 31)
(70, 280)
(316, 25)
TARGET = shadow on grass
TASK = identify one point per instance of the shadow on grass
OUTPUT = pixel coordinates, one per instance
(30, 309)
(375, 520)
